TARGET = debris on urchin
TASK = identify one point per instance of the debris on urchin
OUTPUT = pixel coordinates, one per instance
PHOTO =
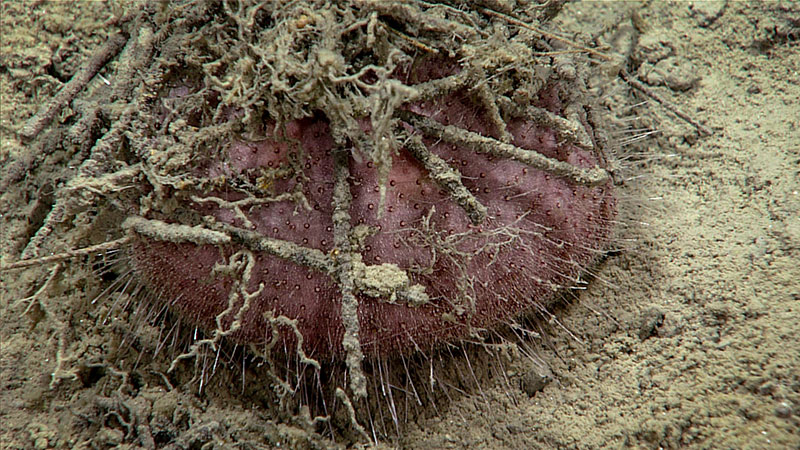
(329, 180)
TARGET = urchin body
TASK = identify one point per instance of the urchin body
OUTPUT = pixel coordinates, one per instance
(423, 269)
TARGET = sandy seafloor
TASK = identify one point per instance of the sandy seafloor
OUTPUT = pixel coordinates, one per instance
(687, 338)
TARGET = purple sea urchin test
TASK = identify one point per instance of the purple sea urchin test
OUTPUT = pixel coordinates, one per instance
(480, 208)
